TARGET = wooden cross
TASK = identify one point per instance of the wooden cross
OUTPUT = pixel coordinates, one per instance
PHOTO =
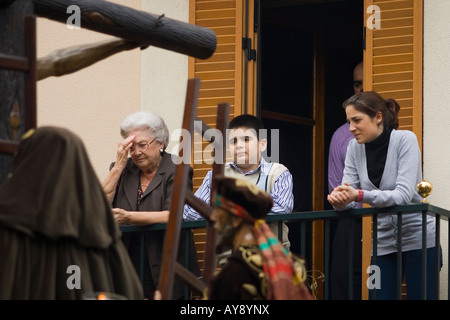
(134, 29)
(17, 77)
(180, 196)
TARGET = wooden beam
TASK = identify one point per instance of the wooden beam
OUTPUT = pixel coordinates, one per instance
(30, 111)
(14, 63)
(318, 154)
(16, 72)
(72, 59)
(134, 25)
(8, 146)
(200, 206)
(189, 279)
(288, 118)
(171, 241)
(210, 263)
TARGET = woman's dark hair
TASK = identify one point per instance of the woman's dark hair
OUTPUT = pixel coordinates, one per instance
(370, 103)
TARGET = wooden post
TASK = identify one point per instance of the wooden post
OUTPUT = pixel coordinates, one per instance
(366, 254)
(17, 77)
(171, 242)
(318, 155)
(210, 263)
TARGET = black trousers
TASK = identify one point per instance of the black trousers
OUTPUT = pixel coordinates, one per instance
(339, 266)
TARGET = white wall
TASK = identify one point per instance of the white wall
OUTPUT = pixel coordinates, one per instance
(436, 142)
(94, 101)
(91, 102)
(164, 73)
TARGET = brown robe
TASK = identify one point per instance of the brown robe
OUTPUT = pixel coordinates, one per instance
(241, 278)
(54, 216)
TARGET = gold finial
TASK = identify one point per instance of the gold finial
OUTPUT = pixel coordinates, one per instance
(424, 188)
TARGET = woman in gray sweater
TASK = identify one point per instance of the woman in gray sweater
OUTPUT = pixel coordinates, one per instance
(382, 169)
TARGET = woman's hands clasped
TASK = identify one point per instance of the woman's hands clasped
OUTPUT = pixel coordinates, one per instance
(342, 196)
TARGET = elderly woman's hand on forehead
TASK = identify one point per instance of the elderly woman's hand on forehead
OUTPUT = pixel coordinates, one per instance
(122, 151)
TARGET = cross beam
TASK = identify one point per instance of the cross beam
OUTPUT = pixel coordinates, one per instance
(133, 25)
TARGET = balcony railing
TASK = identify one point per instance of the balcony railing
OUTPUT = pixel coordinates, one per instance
(326, 216)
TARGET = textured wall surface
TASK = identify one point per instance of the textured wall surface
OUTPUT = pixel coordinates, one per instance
(436, 146)
(164, 73)
(94, 101)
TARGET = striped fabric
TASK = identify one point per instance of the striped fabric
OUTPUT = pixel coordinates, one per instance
(281, 192)
(284, 280)
(233, 208)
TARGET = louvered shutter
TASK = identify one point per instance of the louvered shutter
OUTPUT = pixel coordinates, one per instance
(393, 68)
(220, 78)
(393, 57)
(220, 75)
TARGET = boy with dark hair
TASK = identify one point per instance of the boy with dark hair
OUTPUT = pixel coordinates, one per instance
(246, 147)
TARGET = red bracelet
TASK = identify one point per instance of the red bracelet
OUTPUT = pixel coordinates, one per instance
(360, 195)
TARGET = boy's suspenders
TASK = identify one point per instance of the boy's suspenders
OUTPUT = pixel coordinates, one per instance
(262, 180)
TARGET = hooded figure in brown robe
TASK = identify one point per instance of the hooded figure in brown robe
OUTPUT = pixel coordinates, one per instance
(58, 237)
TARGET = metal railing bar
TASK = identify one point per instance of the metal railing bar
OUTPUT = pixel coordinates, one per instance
(374, 247)
(187, 291)
(327, 215)
(327, 259)
(303, 239)
(399, 256)
(350, 260)
(163, 226)
(437, 210)
(424, 255)
(280, 231)
(308, 215)
(437, 261)
(142, 258)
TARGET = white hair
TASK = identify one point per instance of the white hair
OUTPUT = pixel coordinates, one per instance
(146, 120)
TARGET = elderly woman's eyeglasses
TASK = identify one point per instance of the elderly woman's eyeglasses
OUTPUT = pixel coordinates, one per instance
(141, 146)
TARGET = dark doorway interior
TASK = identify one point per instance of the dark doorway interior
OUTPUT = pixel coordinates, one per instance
(285, 71)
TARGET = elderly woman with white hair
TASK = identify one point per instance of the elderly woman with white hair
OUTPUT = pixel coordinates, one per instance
(140, 189)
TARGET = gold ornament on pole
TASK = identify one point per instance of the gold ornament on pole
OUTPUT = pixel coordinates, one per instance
(424, 188)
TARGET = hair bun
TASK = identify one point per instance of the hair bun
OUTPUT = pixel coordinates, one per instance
(394, 108)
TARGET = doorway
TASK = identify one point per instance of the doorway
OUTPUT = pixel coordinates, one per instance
(294, 38)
